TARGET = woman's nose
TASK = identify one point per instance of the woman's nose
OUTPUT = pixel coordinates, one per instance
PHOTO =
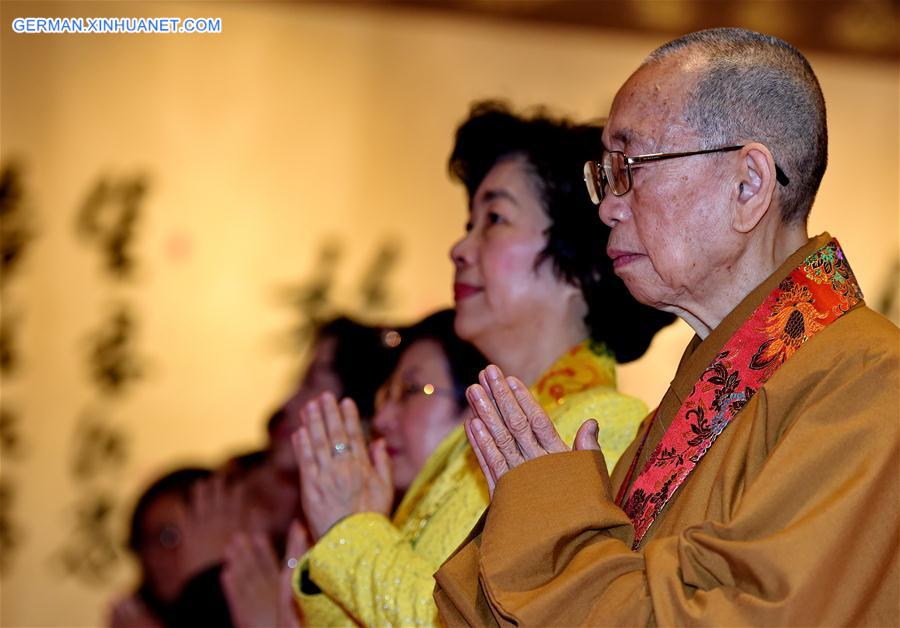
(383, 421)
(461, 252)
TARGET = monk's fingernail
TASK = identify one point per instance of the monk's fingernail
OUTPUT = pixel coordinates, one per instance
(493, 372)
(513, 383)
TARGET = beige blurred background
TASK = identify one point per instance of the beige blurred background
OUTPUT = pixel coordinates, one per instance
(247, 154)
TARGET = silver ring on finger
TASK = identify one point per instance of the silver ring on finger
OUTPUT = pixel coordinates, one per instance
(339, 449)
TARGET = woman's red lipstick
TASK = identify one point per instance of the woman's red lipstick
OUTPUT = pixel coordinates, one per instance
(464, 291)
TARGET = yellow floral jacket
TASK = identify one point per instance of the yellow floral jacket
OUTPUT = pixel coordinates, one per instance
(377, 572)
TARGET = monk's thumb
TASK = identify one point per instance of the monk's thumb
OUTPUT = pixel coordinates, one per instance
(588, 436)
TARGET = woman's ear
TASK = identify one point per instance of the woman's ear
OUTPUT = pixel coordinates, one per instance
(756, 187)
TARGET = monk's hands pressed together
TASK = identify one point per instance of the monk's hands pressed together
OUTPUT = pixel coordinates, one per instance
(339, 475)
(510, 427)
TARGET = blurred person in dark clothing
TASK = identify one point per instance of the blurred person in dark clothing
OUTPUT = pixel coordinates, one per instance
(156, 538)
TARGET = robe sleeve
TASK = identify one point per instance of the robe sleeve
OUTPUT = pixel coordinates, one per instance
(812, 540)
(317, 609)
(365, 568)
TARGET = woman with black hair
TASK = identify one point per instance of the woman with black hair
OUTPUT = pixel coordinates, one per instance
(536, 295)
(535, 290)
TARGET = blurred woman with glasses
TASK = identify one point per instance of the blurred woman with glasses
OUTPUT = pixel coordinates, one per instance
(343, 480)
(535, 293)
(424, 398)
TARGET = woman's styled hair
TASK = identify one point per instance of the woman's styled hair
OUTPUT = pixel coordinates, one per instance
(463, 360)
(362, 360)
(554, 151)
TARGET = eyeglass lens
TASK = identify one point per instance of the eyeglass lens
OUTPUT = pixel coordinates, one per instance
(615, 168)
(593, 182)
(613, 171)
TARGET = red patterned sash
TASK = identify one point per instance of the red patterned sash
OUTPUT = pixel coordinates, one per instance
(811, 297)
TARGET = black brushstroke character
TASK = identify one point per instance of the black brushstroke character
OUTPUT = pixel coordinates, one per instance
(312, 298)
(113, 362)
(98, 447)
(108, 218)
(16, 220)
(373, 287)
(90, 552)
(10, 534)
(10, 438)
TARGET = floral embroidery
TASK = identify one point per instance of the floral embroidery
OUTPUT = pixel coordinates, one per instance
(811, 297)
(831, 269)
(793, 320)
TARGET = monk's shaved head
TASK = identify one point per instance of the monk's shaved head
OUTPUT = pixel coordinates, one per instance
(751, 87)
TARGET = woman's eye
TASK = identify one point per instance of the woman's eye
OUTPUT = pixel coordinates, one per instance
(494, 218)
(409, 390)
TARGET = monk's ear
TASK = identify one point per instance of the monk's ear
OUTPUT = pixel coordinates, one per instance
(756, 187)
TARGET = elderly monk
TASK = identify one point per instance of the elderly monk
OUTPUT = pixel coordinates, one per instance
(764, 488)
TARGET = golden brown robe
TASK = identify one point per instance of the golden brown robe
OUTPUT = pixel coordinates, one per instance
(791, 518)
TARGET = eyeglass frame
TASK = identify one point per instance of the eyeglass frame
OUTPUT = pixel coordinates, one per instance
(597, 172)
(408, 390)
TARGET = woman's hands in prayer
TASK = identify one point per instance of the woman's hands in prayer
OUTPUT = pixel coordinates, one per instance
(337, 476)
(212, 517)
(510, 427)
(250, 581)
(298, 543)
(257, 588)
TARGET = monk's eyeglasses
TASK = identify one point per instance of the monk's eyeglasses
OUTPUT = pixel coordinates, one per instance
(615, 170)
